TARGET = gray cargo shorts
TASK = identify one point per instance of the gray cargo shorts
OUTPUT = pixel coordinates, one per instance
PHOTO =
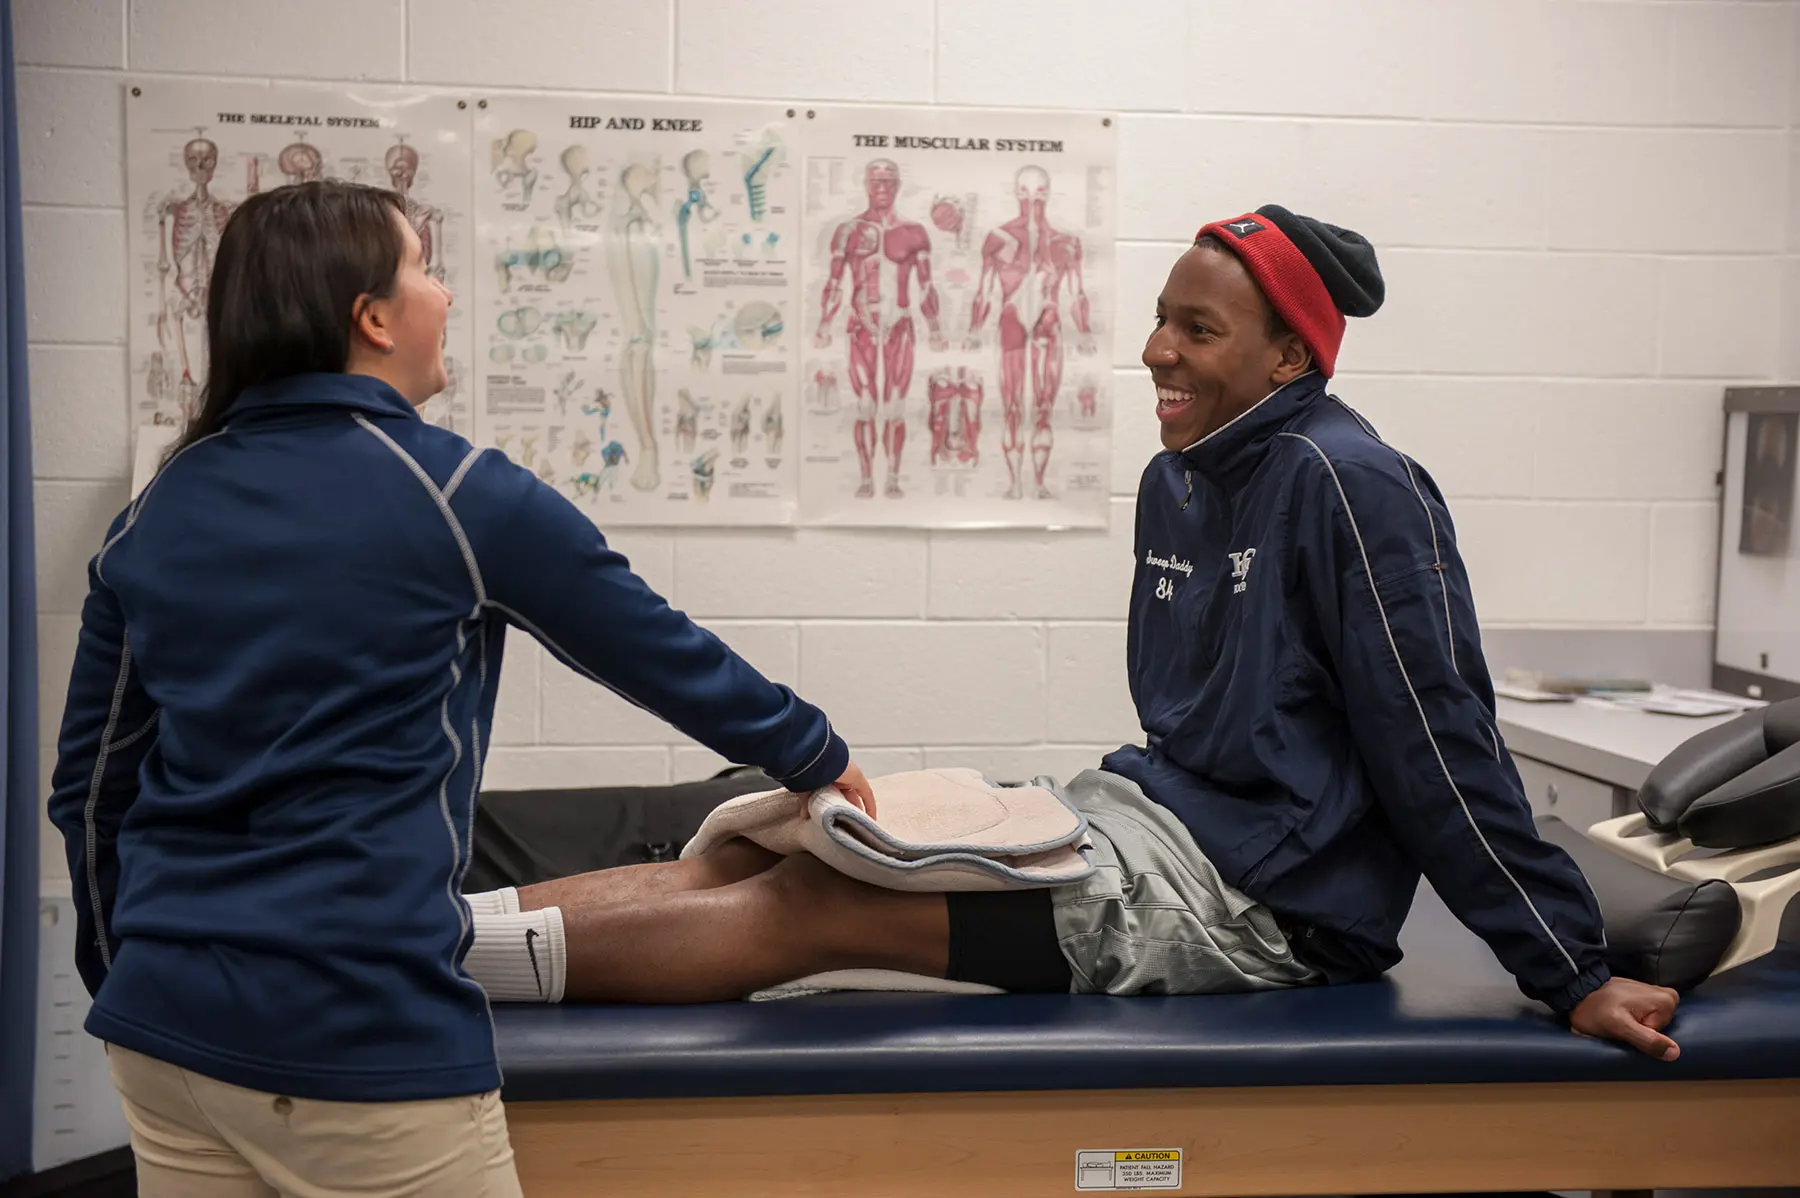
(1155, 917)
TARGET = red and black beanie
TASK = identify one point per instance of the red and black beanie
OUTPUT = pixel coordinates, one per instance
(1313, 274)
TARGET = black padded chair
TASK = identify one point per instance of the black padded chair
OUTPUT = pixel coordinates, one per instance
(1697, 880)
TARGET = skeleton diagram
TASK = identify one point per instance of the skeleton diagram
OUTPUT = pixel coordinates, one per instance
(298, 163)
(687, 422)
(740, 428)
(882, 252)
(301, 163)
(771, 426)
(403, 167)
(696, 166)
(1032, 263)
(510, 156)
(575, 204)
(565, 391)
(631, 260)
(187, 240)
(955, 415)
(704, 474)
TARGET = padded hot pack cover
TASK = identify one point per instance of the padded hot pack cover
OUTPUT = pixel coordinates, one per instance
(1661, 930)
(935, 829)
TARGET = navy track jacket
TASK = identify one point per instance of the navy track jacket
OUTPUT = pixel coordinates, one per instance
(273, 744)
(1306, 666)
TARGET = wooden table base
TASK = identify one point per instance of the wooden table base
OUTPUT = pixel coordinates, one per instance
(1274, 1141)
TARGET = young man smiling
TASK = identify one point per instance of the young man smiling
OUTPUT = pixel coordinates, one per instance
(1318, 712)
(1305, 662)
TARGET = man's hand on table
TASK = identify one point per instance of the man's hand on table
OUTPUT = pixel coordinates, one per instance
(1631, 1012)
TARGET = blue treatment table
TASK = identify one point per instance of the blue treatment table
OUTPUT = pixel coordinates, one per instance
(1440, 1077)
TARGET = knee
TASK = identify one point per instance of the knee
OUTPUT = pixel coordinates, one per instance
(806, 888)
(800, 877)
(733, 861)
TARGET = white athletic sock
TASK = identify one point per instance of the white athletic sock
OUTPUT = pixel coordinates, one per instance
(504, 901)
(519, 956)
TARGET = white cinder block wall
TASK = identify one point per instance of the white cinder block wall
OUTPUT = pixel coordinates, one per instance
(1586, 210)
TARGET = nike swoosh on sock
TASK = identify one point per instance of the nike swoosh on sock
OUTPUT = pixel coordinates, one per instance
(530, 935)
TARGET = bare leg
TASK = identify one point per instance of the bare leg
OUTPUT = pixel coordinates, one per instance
(799, 918)
(732, 861)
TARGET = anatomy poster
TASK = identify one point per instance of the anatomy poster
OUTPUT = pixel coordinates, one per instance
(197, 150)
(641, 270)
(958, 316)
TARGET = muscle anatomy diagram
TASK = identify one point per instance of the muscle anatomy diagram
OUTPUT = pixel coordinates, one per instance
(638, 304)
(1030, 268)
(991, 243)
(881, 260)
(196, 150)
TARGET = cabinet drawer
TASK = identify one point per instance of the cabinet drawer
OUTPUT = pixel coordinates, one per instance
(1576, 799)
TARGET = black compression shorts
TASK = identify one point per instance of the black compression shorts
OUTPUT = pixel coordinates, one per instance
(1006, 938)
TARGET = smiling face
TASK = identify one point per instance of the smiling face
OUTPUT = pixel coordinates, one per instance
(401, 335)
(1216, 350)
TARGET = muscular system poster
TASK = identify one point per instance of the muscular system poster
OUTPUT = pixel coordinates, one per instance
(640, 266)
(196, 150)
(958, 316)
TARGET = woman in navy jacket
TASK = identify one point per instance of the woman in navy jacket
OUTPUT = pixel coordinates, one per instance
(277, 717)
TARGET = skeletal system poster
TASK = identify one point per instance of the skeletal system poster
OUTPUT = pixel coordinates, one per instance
(197, 150)
(957, 318)
(634, 338)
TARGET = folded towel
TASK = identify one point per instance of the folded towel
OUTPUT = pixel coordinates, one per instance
(940, 829)
(869, 979)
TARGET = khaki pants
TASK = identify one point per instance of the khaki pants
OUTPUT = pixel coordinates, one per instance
(194, 1137)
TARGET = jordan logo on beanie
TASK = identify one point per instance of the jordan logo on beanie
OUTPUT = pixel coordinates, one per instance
(1313, 274)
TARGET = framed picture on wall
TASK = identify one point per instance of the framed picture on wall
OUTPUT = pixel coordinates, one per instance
(1772, 439)
(1756, 639)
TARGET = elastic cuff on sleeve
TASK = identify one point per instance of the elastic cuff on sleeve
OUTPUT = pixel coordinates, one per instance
(828, 768)
(1568, 998)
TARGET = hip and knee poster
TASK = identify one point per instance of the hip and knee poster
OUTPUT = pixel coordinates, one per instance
(957, 318)
(633, 325)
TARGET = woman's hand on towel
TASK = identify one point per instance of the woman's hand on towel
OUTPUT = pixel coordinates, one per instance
(855, 789)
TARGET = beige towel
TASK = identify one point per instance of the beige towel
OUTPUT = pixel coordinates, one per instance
(939, 829)
(869, 979)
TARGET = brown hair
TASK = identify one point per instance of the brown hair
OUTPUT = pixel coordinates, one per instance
(293, 265)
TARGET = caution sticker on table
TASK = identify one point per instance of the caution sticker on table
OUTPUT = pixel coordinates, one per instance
(1128, 1169)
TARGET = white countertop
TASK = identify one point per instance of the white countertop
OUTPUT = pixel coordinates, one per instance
(1612, 744)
